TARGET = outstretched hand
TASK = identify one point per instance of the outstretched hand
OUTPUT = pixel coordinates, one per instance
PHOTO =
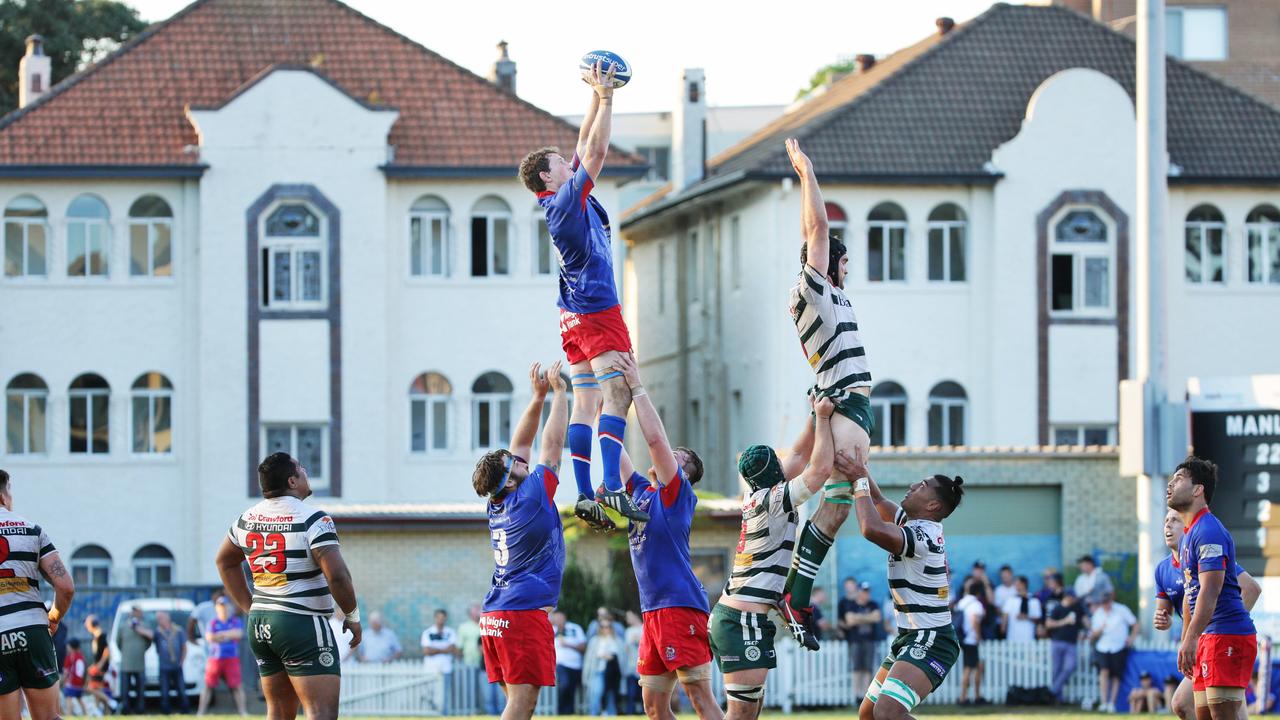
(803, 166)
(538, 380)
(601, 78)
(851, 466)
(626, 364)
(824, 408)
(554, 378)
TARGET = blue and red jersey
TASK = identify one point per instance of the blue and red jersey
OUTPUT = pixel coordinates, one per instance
(528, 545)
(580, 231)
(1206, 547)
(660, 547)
(1170, 583)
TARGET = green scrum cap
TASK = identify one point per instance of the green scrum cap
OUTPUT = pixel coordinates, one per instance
(760, 467)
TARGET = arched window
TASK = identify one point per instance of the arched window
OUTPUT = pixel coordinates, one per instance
(1080, 260)
(26, 410)
(429, 237)
(947, 243)
(152, 566)
(491, 411)
(89, 397)
(294, 258)
(837, 221)
(889, 406)
(947, 403)
(887, 243)
(429, 413)
(545, 259)
(1204, 233)
(150, 237)
(152, 414)
(490, 237)
(91, 565)
(88, 231)
(1262, 226)
(26, 238)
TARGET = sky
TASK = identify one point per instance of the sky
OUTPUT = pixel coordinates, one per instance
(754, 52)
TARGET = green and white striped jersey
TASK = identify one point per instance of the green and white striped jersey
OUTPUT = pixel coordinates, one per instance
(919, 578)
(22, 545)
(828, 331)
(767, 542)
(277, 537)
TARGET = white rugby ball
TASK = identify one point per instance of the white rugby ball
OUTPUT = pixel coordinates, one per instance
(622, 69)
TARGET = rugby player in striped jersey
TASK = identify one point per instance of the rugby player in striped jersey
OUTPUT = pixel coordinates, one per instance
(926, 647)
(298, 574)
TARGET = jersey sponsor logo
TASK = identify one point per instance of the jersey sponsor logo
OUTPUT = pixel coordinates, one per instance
(326, 658)
(268, 527)
(1210, 550)
(493, 626)
(255, 517)
(262, 632)
(670, 652)
(938, 668)
(13, 585)
(944, 592)
(267, 579)
(14, 641)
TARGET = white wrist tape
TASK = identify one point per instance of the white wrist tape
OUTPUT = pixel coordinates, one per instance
(862, 486)
(354, 615)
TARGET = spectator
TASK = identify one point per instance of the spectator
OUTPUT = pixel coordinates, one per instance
(97, 675)
(1050, 588)
(1092, 583)
(171, 650)
(74, 672)
(604, 614)
(341, 636)
(1145, 698)
(633, 702)
(1064, 625)
(1114, 630)
(473, 656)
(202, 616)
(379, 643)
(1006, 589)
(972, 609)
(821, 625)
(991, 618)
(860, 622)
(134, 639)
(605, 651)
(1256, 703)
(222, 643)
(1020, 614)
(439, 645)
(570, 644)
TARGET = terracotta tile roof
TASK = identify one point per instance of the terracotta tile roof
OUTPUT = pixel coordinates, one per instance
(128, 109)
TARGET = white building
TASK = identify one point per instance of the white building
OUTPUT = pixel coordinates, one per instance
(984, 181)
(263, 226)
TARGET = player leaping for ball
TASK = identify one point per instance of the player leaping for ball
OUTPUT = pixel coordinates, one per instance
(828, 331)
(592, 330)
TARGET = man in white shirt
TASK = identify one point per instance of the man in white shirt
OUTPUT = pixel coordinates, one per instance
(380, 644)
(972, 610)
(1006, 588)
(1114, 630)
(439, 645)
(1020, 612)
(1091, 583)
(571, 641)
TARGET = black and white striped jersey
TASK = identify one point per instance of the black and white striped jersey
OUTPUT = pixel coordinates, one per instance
(277, 537)
(828, 331)
(767, 541)
(22, 545)
(919, 578)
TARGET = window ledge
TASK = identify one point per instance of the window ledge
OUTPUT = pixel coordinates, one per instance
(1237, 289)
(82, 283)
(88, 461)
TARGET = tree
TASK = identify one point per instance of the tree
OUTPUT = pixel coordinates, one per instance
(825, 75)
(76, 33)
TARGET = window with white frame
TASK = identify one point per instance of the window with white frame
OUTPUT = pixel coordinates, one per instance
(150, 238)
(546, 261)
(947, 229)
(947, 409)
(429, 237)
(429, 413)
(89, 397)
(88, 232)
(490, 238)
(887, 243)
(91, 565)
(26, 402)
(294, 262)
(1262, 245)
(1080, 259)
(153, 565)
(735, 253)
(491, 411)
(889, 408)
(1205, 230)
(307, 443)
(837, 221)
(1196, 33)
(694, 256)
(151, 408)
(1084, 434)
(26, 238)
(659, 158)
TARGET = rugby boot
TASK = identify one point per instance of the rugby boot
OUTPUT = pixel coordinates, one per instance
(619, 501)
(799, 623)
(592, 513)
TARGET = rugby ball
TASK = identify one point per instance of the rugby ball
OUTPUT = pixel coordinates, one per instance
(621, 73)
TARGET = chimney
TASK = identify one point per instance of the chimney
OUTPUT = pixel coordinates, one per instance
(864, 62)
(503, 73)
(689, 130)
(35, 71)
(944, 25)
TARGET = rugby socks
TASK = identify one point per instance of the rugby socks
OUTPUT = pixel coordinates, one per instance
(580, 452)
(611, 430)
(810, 551)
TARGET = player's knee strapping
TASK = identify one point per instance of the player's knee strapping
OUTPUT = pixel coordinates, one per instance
(744, 693)
(900, 692)
(659, 683)
(838, 493)
(1219, 695)
(701, 673)
(609, 373)
(584, 381)
(873, 691)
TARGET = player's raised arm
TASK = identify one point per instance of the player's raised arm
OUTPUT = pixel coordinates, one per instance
(655, 435)
(228, 560)
(587, 121)
(874, 527)
(798, 457)
(64, 588)
(557, 422)
(329, 558)
(813, 212)
(593, 151)
(527, 427)
(823, 456)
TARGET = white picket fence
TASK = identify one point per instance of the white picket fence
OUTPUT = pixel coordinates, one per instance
(802, 679)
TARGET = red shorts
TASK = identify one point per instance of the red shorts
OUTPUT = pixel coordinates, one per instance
(673, 638)
(588, 335)
(1224, 661)
(226, 668)
(519, 647)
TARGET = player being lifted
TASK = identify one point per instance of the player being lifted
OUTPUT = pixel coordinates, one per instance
(298, 574)
(673, 645)
(1170, 586)
(27, 659)
(528, 550)
(592, 330)
(740, 629)
(828, 331)
(926, 647)
(1219, 643)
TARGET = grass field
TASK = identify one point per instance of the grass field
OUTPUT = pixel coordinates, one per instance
(941, 712)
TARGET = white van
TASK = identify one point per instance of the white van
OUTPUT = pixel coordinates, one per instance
(179, 610)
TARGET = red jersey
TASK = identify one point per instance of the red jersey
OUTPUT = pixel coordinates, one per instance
(74, 669)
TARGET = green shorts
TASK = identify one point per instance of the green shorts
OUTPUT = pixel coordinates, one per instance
(741, 640)
(934, 651)
(856, 407)
(296, 643)
(27, 659)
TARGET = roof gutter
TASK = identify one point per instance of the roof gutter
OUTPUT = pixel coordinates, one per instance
(1270, 181)
(489, 171)
(28, 172)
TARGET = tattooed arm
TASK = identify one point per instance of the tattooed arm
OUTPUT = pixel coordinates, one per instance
(63, 588)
